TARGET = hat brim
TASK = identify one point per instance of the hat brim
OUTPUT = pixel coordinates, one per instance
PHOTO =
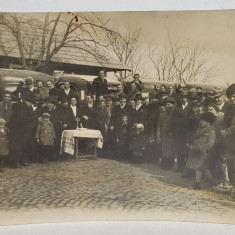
(218, 95)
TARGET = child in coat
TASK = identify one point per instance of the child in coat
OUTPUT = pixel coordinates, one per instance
(138, 143)
(200, 149)
(3, 142)
(45, 136)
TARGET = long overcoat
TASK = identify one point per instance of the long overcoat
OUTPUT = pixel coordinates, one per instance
(200, 148)
(164, 133)
(23, 125)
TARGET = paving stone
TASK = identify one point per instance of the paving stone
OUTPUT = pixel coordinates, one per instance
(103, 183)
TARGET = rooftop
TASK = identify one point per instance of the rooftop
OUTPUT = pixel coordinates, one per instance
(66, 55)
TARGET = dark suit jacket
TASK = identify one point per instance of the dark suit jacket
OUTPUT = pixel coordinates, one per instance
(138, 116)
(55, 91)
(226, 106)
(63, 96)
(92, 114)
(23, 125)
(99, 87)
(117, 114)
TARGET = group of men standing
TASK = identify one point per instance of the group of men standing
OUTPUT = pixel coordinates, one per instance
(167, 125)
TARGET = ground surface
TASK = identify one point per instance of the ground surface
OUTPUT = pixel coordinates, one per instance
(103, 185)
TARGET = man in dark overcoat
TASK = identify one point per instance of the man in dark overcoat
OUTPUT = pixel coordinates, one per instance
(89, 114)
(138, 114)
(220, 100)
(179, 132)
(118, 111)
(228, 133)
(22, 130)
(165, 134)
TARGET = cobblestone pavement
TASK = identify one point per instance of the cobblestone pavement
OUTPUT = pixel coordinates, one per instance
(105, 184)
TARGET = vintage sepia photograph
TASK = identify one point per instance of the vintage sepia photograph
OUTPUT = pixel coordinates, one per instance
(117, 116)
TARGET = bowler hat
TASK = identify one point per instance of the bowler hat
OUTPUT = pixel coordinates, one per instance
(169, 99)
(109, 97)
(46, 115)
(197, 103)
(138, 97)
(29, 81)
(122, 95)
(37, 97)
(51, 99)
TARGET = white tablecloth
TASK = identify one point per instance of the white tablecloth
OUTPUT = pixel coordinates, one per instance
(68, 143)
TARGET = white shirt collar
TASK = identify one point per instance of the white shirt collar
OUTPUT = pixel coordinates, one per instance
(184, 105)
(122, 106)
(67, 91)
(138, 106)
(221, 106)
(74, 109)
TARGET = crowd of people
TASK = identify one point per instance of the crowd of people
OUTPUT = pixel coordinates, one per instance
(174, 125)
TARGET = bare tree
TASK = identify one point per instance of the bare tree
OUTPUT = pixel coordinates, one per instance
(38, 40)
(180, 64)
(125, 46)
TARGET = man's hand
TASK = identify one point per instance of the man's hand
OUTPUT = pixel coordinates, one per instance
(111, 128)
(37, 140)
(65, 125)
(85, 117)
(158, 140)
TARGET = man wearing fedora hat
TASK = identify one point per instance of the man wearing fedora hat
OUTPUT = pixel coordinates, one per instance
(25, 86)
(30, 86)
(138, 114)
(164, 134)
(118, 110)
(22, 128)
(219, 99)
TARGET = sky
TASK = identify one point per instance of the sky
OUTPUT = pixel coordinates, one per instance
(213, 31)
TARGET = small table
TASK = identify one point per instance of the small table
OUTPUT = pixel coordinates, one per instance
(69, 140)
